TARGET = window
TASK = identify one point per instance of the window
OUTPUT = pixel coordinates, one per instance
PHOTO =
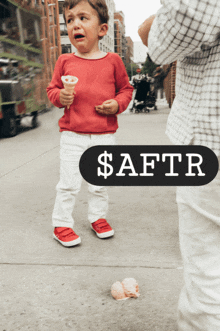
(61, 7)
(66, 49)
(63, 29)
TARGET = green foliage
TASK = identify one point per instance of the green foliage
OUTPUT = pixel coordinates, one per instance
(131, 69)
(148, 67)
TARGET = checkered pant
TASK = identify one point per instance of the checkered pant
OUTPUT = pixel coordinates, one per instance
(72, 146)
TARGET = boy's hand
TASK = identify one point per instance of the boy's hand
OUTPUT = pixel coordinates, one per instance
(66, 98)
(108, 107)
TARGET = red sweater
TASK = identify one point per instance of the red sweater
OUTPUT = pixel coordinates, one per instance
(99, 80)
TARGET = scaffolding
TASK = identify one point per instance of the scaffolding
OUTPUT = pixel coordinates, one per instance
(51, 43)
(29, 48)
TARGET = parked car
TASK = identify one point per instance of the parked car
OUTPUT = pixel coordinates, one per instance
(17, 97)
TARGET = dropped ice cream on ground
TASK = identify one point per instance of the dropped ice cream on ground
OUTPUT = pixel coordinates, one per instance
(131, 287)
(117, 291)
(128, 288)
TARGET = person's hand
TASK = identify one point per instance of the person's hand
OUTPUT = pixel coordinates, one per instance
(108, 107)
(144, 29)
(66, 98)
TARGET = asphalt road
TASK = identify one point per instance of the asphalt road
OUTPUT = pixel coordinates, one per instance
(46, 287)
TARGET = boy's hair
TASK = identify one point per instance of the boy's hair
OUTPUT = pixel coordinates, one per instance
(99, 5)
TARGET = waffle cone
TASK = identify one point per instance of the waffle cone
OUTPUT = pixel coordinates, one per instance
(69, 83)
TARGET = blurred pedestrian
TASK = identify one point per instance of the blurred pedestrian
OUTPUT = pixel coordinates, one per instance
(158, 81)
(102, 92)
(188, 31)
(159, 76)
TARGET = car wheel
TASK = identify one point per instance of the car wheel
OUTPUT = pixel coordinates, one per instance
(9, 124)
(34, 122)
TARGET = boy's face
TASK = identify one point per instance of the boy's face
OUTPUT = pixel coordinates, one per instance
(83, 26)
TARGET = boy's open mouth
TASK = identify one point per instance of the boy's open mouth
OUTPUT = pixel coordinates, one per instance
(79, 36)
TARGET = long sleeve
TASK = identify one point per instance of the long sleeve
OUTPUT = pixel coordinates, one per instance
(53, 90)
(183, 27)
(98, 80)
(123, 88)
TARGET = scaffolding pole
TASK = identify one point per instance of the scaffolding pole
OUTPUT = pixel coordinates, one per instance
(50, 36)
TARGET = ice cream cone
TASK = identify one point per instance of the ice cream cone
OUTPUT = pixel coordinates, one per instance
(69, 83)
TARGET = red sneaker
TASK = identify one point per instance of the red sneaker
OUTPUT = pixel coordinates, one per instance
(66, 236)
(102, 228)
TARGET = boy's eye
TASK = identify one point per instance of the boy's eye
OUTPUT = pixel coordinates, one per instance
(69, 20)
(83, 18)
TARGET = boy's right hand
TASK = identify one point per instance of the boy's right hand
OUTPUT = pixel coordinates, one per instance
(66, 98)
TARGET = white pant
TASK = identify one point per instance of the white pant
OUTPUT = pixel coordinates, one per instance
(72, 146)
(199, 230)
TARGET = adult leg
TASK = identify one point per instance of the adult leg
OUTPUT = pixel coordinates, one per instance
(199, 229)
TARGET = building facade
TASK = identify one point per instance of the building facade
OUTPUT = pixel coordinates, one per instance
(120, 39)
(106, 44)
(65, 43)
(129, 57)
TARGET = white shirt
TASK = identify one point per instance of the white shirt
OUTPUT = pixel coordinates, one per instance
(189, 31)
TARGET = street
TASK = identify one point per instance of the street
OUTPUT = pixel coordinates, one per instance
(47, 287)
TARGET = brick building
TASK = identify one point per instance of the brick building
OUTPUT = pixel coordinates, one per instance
(119, 31)
(169, 84)
(129, 56)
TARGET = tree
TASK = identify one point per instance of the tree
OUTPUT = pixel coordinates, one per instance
(131, 69)
(149, 66)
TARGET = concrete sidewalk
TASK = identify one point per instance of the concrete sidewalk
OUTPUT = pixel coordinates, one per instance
(46, 287)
